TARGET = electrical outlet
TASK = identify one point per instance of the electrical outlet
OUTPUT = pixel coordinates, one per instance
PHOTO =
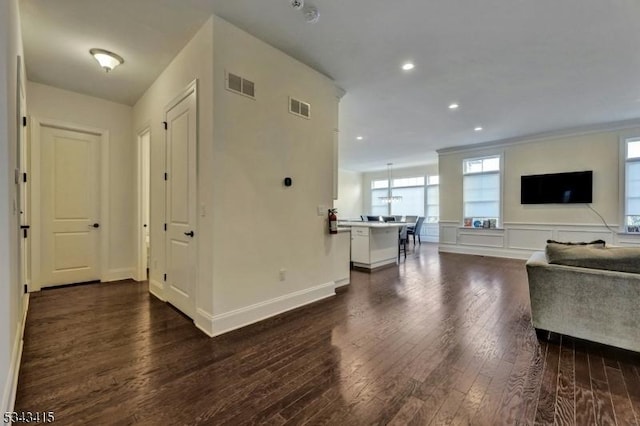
(283, 274)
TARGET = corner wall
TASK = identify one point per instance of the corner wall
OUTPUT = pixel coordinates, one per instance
(194, 62)
(260, 226)
(46, 102)
(525, 228)
(11, 295)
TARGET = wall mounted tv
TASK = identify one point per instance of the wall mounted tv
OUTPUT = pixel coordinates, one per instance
(557, 188)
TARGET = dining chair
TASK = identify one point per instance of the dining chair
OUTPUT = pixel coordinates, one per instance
(416, 230)
(402, 242)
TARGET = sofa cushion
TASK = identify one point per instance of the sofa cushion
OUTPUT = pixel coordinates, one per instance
(623, 259)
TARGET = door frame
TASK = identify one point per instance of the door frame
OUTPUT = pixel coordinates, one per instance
(141, 271)
(24, 217)
(184, 93)
(103, 255)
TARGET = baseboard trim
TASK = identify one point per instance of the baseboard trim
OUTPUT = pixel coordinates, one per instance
(342, 282)
(215, 325)
(11, 386)
(485, 251)
(118, 275)
(156, 288)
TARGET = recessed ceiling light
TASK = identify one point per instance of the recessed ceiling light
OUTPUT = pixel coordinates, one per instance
(360, 138)
(478, 129)
(408, 66)
(453, 106)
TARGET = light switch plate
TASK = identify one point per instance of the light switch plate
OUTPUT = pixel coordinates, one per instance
(322, 210)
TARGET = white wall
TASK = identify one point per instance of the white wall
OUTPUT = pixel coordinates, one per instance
(11, 307)
(195, 61)
(527, 227)
(46, 102)
(349, 202)
(261, 227)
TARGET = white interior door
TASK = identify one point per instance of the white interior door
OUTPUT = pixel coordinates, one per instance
(144, 164)
(22, 162)
(69, 206)
(181, 144)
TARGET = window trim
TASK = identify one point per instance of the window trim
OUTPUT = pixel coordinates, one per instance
(500, 155)
(625, 138)
(390, 189)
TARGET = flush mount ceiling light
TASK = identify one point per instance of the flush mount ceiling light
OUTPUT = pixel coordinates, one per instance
(454, 106)
(107, 60)
(311, 14)
(359, 138)
(408, 66)
(478, 129)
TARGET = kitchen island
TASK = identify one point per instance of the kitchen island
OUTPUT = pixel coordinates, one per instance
(373, 244)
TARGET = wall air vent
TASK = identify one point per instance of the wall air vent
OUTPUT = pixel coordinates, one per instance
(240, 85)
(299, 108)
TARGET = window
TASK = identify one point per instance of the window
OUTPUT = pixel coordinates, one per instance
(379, 190)
(408, 196)
(632, 185)
(481, 192)
(433, 199)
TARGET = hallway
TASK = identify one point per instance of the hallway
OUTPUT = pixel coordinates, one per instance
(444, 339)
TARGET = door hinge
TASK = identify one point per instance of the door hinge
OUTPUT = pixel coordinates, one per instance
(165, 226)
(24, 121)
(165, 277)
(26, 290)
(166, 176)
(165, 124)
(24, 177)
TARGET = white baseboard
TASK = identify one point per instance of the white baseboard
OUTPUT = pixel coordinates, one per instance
(118, 275)
(343, 281)
(215, 325)
(157, 289)
(11, 386)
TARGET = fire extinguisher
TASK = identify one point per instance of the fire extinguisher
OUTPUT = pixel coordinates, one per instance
(333, 221)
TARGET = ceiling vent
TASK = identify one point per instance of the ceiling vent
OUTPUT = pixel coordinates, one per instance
(299, 108)
(240, 85)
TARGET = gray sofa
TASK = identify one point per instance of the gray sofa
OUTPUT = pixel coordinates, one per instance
(592, 304)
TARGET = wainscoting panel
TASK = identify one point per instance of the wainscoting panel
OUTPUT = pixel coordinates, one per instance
(523, 238)
(585, 235)
(449, 232)
(520, 240)
(481, 238)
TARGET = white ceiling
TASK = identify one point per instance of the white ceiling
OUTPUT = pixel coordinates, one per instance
(516, 67)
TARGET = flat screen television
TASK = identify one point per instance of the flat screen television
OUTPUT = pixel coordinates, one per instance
(557, 188)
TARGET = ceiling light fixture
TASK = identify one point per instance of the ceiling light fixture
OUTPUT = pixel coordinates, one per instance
(478, 129)
(360, 138)
(311, 14)
(408, 66)
(390, 198)
(107, 60)
(454, 106)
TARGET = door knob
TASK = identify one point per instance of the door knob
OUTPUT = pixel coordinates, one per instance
(95, 225)
(189, 234)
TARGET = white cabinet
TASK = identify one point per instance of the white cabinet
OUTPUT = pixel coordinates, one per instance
(360, 245)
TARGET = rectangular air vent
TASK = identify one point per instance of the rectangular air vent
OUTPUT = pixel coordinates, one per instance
(240, 85)
(299, 108)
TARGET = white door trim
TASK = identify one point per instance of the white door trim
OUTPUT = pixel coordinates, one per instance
(141, 272)
(36, 125)
(187, 91)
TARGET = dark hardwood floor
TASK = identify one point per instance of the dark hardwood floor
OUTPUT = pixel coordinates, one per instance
(441, 339)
